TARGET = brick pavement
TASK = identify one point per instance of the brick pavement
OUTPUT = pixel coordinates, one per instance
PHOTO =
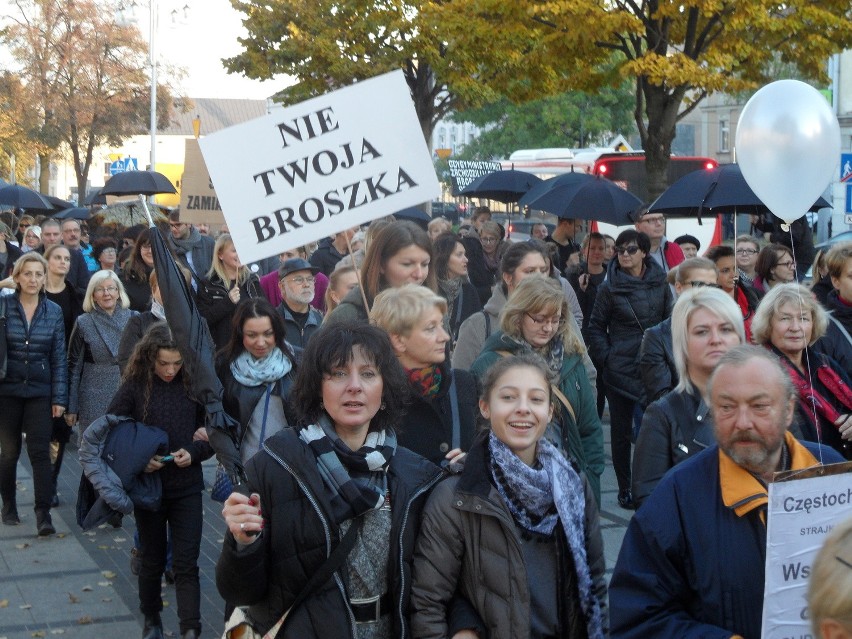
(78, 585)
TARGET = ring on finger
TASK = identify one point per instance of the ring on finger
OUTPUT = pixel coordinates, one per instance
(242, 526)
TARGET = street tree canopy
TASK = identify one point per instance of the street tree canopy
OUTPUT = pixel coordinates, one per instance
(83, 74)
(675, 53)
(328, 44)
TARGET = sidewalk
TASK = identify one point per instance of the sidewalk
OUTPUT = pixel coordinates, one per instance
(78, 585)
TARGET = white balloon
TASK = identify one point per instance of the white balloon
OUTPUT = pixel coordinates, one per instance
(788, 146)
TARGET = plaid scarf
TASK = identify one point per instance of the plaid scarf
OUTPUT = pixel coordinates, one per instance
(538, 499)
(356, 480)
(553, 353)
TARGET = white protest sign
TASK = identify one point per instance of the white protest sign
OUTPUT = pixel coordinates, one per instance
(321, 166)
(801, 514)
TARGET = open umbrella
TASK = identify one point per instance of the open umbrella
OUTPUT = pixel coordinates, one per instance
(23, 198)
(503, 186)
(583, 196)
(138, 183)
(126, 214)
(58, 203)
(94, 198)
(719, 190)
(73, 213)
(413, 213)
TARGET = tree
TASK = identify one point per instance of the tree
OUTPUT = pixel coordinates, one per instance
(16, 123)
(328, 44)
(573, 119)
(675, 53)
(85, 78)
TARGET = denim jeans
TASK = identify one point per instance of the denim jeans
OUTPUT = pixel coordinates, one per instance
(33, 417)
(182, 517)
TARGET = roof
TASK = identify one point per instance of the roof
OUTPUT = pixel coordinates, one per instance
(214, 113)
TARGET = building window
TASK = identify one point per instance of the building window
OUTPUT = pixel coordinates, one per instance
(724, 136)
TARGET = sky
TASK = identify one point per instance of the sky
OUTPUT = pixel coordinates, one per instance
(197, 44)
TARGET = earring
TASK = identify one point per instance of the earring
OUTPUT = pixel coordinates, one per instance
(382, 407)
(322, 406)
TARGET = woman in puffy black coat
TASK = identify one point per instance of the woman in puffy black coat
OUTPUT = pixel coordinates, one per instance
(228, 282)
(341, 471)
(35, 388)
(634, 297)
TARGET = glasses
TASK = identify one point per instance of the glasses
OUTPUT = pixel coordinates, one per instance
(24, 226)
(176, 225)
(112, 290)
(539, 321)
(790, 264)
(657, 219)
(108, 251)
(488, 240)
(630, 250)
(301, 280)
(697, 284)
(747, 251)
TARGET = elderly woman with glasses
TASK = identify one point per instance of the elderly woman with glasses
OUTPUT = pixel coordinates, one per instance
(634, 297)
(705, 324)
(93, 370)
(788, 322)
(534, 319)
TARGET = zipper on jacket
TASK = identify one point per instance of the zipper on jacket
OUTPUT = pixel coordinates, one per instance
(417, 494)
(326, 529)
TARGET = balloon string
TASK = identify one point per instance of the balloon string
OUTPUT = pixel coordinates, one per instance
(811, 395)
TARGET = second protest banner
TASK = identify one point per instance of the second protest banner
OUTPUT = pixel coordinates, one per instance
(321, 166)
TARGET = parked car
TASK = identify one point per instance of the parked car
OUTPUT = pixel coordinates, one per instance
(846, 236)
(449, 210)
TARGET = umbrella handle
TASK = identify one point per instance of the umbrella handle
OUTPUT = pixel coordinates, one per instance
(147, 212)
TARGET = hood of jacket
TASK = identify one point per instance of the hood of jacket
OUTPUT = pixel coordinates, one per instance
(496, 302)
(622, 282)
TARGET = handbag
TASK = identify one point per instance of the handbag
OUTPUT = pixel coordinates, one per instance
(222, 483)
(238, 625)
(4, 348)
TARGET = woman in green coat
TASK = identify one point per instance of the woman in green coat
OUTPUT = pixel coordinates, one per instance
(534, 320)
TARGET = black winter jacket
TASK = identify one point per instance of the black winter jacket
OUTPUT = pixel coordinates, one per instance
(625, 308)
(134, 330)
(656, 362)
(834, 343)
(36, 361)
(427, 426)
(216, 306)
(299, 534)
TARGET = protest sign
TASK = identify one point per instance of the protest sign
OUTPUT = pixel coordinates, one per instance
(463, 172)
(321, 166)
(198, 201)
(801, 513)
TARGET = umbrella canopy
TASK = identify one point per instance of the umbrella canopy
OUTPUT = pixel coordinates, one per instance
(719, 190)
(94, 198)
(23, 198)
(126, 214)
(73, 213)
(583, 196)
(58, 203)
(138, 183)
(413, 213)
(503, 186)
(191, 330)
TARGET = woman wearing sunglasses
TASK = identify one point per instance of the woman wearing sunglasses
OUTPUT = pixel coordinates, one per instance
(634, 297)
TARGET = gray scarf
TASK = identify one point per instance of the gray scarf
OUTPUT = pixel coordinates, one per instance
(110, 327)
(182, 247)
(250, 371)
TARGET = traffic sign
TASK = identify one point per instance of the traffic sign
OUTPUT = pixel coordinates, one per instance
(126, 164)
(846, 167)
(848, 208)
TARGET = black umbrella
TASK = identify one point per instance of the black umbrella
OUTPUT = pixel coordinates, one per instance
(413, 213)
(74, 213)
(58, 203)
(190, 330)
(583, 196)
(503, 186)
(138, 183)
(719, 190)
(23, 198)
(94, 198)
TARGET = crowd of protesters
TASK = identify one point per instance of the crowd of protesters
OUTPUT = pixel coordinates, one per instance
(364, 372)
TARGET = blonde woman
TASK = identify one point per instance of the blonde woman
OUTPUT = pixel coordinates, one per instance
(228, 282)
(535, 320)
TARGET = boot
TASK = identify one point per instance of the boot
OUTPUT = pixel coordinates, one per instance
(153, 628)
(10, 513)
(44, 524)
(192, 633)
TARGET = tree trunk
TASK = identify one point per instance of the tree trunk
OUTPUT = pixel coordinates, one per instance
(661, 109)
(43, 172)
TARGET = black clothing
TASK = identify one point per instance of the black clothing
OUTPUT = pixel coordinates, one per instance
(564, 251)
(587, 298)
(29, 416)
(298, 327)
(656, 362)
(133, 331)
(215, 305)
(478, 272)
(466, 304)
(326, 257)
(12, 255)
(138, 289)
(71, 303)
(834, 343)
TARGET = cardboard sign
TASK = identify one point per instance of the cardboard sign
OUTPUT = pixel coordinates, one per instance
(198, 201)
(801, 513)
(463, 172)
(321, 166)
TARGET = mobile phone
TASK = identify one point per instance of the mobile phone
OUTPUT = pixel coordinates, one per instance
(166, 459)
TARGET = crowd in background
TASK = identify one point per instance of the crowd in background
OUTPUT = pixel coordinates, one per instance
(364, 371)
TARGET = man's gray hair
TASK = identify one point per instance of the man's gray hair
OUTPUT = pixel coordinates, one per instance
(740, 355)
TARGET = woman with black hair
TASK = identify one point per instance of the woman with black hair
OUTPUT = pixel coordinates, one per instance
(634, 297)
(339, 480)
(453, 283)
(155, 391)
(136, 270)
